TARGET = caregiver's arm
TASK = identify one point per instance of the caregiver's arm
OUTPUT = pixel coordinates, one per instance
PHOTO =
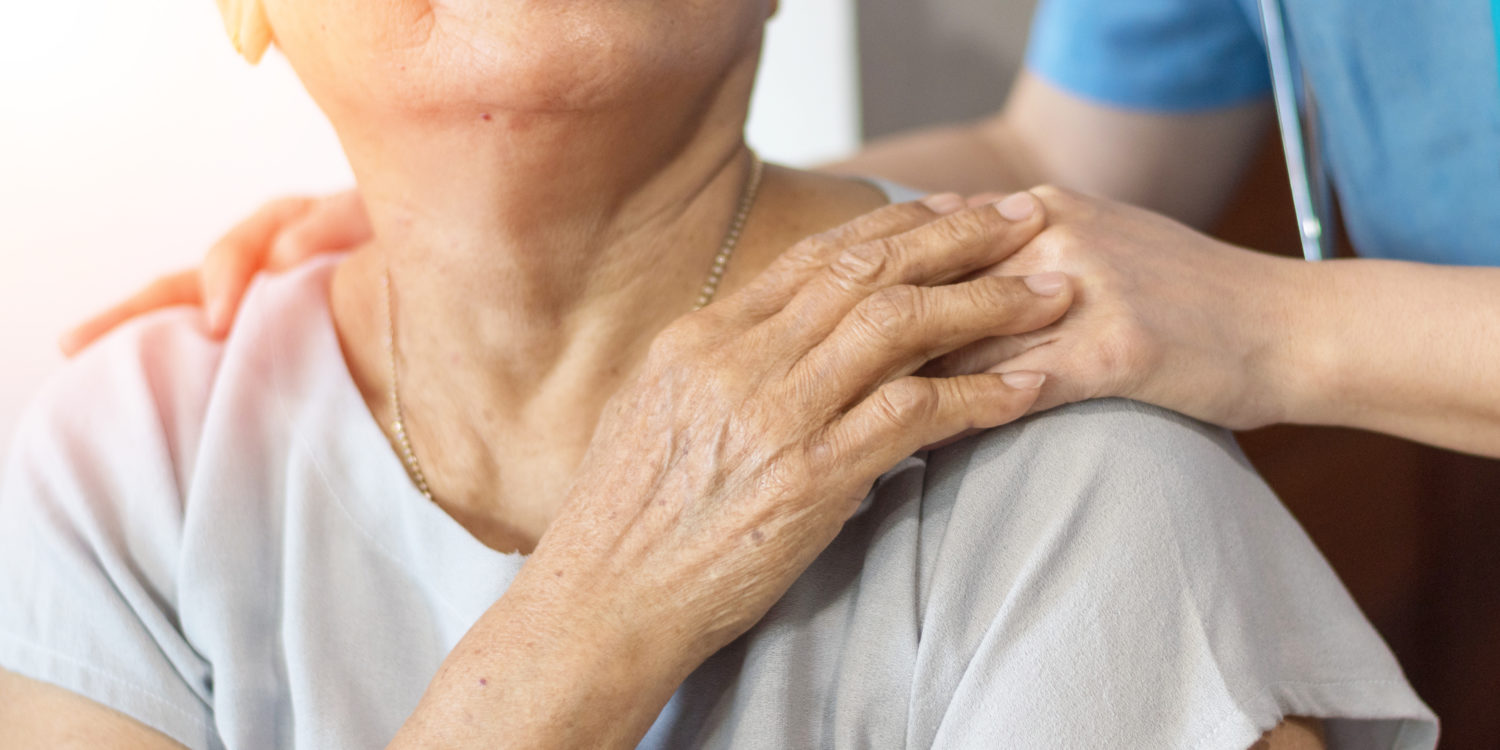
(1185, 165)
(1407, 349)
(282, 234)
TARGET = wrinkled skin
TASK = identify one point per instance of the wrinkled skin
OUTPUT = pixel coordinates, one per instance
(764, 427)
(747, 439)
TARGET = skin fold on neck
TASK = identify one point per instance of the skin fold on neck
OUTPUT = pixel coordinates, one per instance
(534, 255)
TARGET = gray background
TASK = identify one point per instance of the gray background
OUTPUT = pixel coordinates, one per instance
(930, 61)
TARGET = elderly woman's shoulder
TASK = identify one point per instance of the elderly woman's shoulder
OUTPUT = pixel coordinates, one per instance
(1108, 448)
(1113, 574)
(1100, 481)
(148, 385)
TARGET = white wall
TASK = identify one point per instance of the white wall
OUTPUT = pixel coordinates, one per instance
(806, 106)
(131, 136)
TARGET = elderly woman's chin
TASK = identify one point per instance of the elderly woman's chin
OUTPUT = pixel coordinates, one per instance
(514, 54)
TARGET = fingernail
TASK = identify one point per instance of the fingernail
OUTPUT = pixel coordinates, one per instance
(1018, 207)
(1024, 381)
(1047, 284)
(944, 203)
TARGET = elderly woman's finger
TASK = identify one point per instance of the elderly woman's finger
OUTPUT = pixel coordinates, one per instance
(333, 224)
(177, 289)
(938, 252)
(907, 414)
(896, 330)
(986, 354)
(779, 282)
(1075, 369)
(235, 259)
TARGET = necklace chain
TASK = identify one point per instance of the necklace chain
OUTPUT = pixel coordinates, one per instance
(705, 296)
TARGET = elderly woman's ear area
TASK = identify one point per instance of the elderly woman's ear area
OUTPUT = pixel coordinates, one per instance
(248, 27)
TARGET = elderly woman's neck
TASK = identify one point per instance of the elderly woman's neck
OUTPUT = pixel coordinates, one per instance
(524, 229)
(520, 312)
(554, 242)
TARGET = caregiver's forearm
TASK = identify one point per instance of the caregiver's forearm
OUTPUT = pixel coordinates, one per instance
(1184, 165)
(1402, 348)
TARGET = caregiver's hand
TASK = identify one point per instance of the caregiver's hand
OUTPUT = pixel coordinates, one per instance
(754, 429)
(1163, 314)
(282, 234)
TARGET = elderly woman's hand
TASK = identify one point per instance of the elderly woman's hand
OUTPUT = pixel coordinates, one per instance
(754, 430)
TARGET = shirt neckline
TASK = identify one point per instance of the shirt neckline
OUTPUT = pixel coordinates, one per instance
(357, 466)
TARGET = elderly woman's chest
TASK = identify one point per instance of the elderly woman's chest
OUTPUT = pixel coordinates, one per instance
(324, 611)
(836, 662)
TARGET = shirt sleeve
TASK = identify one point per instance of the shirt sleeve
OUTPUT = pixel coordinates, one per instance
(1156, 55)
(1114, 575)
(90, 527)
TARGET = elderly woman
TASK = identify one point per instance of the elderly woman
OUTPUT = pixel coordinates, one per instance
(492, 481)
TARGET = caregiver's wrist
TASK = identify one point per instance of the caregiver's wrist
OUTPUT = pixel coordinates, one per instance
(1301, 339)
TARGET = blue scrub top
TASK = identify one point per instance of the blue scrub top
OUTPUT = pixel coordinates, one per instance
(1408, 91)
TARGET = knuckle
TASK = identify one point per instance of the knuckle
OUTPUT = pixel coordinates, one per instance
(890, 312)
(676, 342)
(862, 264)
(905, 214)
(813, 250)
(1053, 193)
(892, 218)
(1069, 203)
(1125, 351)
(907, 401)
(999, 293)
(783, 478)
(289, 247)
(968, 226)
(1066, 236)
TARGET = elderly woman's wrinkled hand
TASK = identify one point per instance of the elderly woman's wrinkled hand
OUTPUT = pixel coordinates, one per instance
(760, 422)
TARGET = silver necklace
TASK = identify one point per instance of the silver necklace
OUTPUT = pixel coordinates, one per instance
(705, 296)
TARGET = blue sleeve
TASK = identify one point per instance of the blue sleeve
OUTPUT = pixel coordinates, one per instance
(1158, 55)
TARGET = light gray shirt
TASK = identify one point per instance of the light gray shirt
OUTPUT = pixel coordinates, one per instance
(217, 540)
